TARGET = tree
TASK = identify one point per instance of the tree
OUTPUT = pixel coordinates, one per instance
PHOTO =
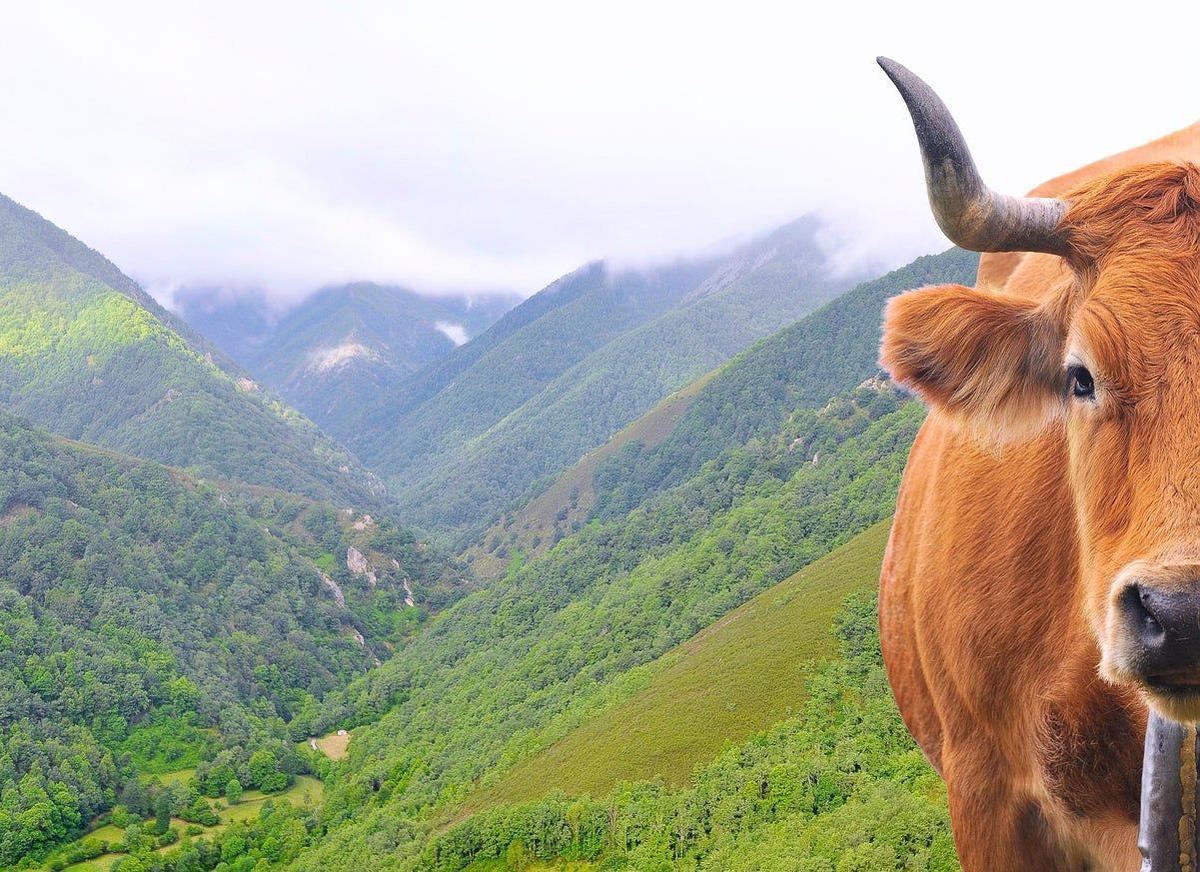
(274, 782)
(261, 765)
(517, 856)
(162, 813)
(133, 797)
(233, 846)
(233, 791)
(201, 812)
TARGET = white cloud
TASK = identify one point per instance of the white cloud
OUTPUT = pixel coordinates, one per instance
(461, 146)
(456, 333)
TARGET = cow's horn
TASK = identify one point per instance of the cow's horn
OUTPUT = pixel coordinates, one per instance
(969, 212)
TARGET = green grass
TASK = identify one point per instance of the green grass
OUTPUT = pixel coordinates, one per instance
(737, 677)
(306, 791)
(96, 864)
(179, 775)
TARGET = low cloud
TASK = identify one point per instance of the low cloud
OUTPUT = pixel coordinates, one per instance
(467, 146)
(456, 333)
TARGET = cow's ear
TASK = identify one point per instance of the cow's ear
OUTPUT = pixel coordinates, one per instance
(993, 362)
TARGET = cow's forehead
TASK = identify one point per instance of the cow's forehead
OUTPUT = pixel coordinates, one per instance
(1136, 327)
(1143, 290)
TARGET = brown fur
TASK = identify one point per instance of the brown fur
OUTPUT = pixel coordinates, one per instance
(1020, 507)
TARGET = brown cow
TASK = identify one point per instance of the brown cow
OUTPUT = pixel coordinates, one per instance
(1042, 582)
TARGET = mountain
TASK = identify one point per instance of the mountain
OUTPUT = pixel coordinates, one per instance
(150, 622)
(631, 619)
(567, 504)
(517, 666)
(823, 354)
(574, 364)
(572, 644)
(336, 354)
(86, 353)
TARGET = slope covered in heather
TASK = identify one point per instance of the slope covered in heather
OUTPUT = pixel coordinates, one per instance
(742, 675)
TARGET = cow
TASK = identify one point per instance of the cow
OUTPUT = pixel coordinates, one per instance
(1040, 592)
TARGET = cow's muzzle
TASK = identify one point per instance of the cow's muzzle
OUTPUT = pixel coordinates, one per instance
(1158, 628)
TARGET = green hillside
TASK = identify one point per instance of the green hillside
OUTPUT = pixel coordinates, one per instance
(567, 504)
(515, 667)
(801, 366)
(739, 676)
(839, 787)
(471, 391)
(565, 382)
(86, 354)
(338, 354)
(149, 622)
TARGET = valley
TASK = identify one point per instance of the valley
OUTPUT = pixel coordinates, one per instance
(549, 597)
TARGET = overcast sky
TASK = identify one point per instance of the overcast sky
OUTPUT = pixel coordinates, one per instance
(465, 146)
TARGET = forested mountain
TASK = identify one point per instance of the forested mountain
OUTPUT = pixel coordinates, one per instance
(516, 666)
(149, 622)
(694, 556)
(801, 366)
(571, 366)
(338, 354)
(85, 353)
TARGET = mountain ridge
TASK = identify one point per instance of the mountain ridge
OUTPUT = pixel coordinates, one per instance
(601, 348)
(86, 353)
(338, 352)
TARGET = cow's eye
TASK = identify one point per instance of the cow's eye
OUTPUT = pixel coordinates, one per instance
(1080, 382)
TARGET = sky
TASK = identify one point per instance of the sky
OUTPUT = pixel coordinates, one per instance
(497, 145)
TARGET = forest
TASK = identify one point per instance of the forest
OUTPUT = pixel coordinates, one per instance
(838, 788)
(152, 623)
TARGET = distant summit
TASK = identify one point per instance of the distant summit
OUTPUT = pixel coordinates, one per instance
(334, 354)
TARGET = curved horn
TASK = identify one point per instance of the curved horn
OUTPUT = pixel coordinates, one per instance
(968, 211)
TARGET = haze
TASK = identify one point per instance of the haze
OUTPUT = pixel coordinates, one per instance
(471, 146)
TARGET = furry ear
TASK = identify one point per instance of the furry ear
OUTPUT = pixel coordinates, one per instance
(993, 362)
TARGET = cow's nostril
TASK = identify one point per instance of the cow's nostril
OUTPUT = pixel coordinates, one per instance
(1160, 625)
(1139, 607)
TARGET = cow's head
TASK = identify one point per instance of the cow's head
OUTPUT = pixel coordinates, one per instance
(1108, 356)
